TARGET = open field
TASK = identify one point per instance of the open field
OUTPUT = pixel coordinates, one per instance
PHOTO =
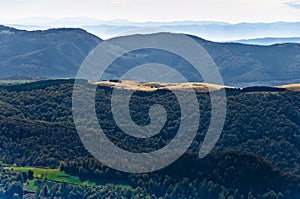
(293, 87)
(51, 176)
(152, 86)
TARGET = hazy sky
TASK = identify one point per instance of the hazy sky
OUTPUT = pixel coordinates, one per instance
(155, 10)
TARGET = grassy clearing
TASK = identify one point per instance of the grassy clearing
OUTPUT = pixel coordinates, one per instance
(292, 87)
(50, 176)
(32, 185)
(153, 86)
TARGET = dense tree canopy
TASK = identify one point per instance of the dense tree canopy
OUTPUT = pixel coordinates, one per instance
(257, 154)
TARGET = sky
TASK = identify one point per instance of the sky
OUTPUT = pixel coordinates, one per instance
(232, 11)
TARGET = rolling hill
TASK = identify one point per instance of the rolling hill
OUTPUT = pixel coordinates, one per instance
(50, 53)
(58, 53)
(37, 129)
(240, 65)
(293, 87)
(153, 86)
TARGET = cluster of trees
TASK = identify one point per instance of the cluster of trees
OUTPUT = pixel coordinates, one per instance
(265, 124)
(37, 128)
(219, 175)
(11, 184)
(38, 144)
(206, 190)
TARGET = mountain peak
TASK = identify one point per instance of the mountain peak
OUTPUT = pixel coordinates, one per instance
(50, 53)
(6, 28)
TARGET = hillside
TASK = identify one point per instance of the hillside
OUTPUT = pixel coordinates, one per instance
(153, 86)
(60, 52)
(240, 65)
(252, 65)
(293, 87)
(259, 143)
(50, 53)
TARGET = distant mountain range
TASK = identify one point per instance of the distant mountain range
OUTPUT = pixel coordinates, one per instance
(269, 41)
(210, 30)
(214, 31)
(58, 53)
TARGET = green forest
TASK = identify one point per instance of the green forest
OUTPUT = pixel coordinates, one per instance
(257, 155)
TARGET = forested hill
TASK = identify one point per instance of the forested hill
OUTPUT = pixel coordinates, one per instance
(60, 52)
(49, 53)
(260, 141)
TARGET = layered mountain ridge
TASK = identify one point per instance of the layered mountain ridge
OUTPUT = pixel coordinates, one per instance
(58, 53)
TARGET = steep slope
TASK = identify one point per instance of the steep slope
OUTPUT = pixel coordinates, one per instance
(248, 65)
(50, 53)
(240, 65)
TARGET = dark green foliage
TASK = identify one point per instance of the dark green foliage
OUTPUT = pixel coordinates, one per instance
(11, 185)
(260, 141)
(217, 174)
(263, 89)
(37, 85)
(30, 175)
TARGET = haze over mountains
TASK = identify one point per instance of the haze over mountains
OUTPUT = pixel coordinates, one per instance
(42, 155)
(269, 40)
(214, 31)
(58, 53)
(210, 30)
